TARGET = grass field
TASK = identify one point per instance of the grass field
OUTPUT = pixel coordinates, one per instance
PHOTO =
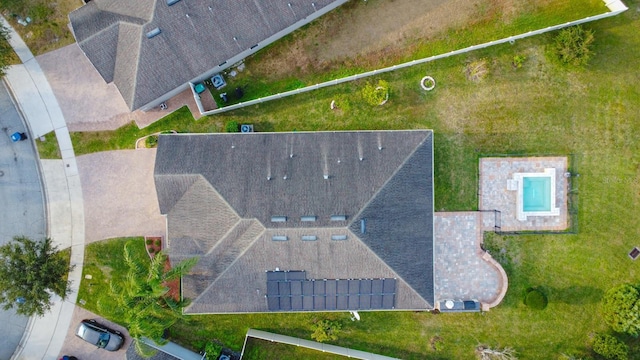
(540, 108)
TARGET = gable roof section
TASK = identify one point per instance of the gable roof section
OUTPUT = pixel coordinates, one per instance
(383, 177)
(195, 37)
(397, 218)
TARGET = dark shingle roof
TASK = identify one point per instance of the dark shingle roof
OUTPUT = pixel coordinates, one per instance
(220, 192)
(196, 36)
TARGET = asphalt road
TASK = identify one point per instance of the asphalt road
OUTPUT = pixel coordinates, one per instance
(21, 204)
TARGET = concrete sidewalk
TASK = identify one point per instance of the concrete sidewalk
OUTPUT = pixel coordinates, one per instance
(45, 335)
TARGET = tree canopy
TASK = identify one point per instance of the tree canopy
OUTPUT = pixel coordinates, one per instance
(621, 307)
(30, 271)
(142, 302)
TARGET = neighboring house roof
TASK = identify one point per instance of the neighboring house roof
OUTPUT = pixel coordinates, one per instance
(226, 196)
(195, 37)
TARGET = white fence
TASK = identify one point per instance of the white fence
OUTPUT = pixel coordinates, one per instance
(332, 349)
(615, 7)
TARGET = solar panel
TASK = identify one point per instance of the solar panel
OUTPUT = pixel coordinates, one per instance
(307, 288)
(389, 286)
(285, 303)
(376, 301)
(365, 286)
(284, 288)
(354, 287)
(276, 275)
(296, 275)
(296, 288)
(319, 303)
(342, 302)
(273, 303)
(354, 302)
(272, 288)
(365, 302)
(307, 302)
(290, 290)
(387, 301)
(330, 302)
(296, 302)
(376, 286)
(329, 287)
(343, 287)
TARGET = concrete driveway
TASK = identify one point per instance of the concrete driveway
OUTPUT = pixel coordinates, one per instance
(83, 350)
(88, 102)
(22, 211)
(119, 195)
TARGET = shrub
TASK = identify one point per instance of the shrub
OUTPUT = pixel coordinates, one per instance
(232, 126)
(376, 94)
(151, 141)
(535, 299)
(324, 330)
(212, 350)
(610, 347)
(476, 70)
(518, 60)
(573, 45)
(149, 241)
(621, 308)
(158, 242)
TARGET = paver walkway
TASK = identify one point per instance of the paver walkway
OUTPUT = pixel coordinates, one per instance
(463, 271)
(119, 195)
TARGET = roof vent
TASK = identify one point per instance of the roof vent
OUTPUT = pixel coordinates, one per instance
(278, 219)
(279, 238)
(153, 33)
(339, 237)
(309, 238)
(363, 226)
(308, 218)
(338, 217)
(171, 2)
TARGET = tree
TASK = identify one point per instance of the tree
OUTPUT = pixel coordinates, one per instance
(6, 52)
(621, 308)
(30, 271)
(142, 303)
(573, 45)
(610, 347)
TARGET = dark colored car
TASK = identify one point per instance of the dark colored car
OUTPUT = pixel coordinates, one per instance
(100, 335)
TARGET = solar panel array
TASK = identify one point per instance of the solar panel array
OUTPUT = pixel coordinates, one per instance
(291, 291)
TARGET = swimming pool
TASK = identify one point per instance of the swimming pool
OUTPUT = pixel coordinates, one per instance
(536, 194)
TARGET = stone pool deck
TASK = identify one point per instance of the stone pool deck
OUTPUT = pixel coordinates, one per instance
(495, 195)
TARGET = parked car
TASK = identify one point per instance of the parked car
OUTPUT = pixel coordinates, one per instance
(100, 335)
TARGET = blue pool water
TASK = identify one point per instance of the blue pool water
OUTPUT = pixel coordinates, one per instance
(536, 194)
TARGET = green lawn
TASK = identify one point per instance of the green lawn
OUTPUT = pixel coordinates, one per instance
(542, 108)
(104, 261)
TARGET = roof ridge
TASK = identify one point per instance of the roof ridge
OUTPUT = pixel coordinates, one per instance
(202, 293)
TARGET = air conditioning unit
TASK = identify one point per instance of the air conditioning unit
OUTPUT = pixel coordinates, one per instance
(246, 128)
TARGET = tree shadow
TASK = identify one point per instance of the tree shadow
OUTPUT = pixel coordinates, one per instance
(573, 295)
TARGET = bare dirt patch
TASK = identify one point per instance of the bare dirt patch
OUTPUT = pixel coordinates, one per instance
(376, 31)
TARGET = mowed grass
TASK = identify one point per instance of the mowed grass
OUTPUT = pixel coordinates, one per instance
(542, 108)
(104, 262)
